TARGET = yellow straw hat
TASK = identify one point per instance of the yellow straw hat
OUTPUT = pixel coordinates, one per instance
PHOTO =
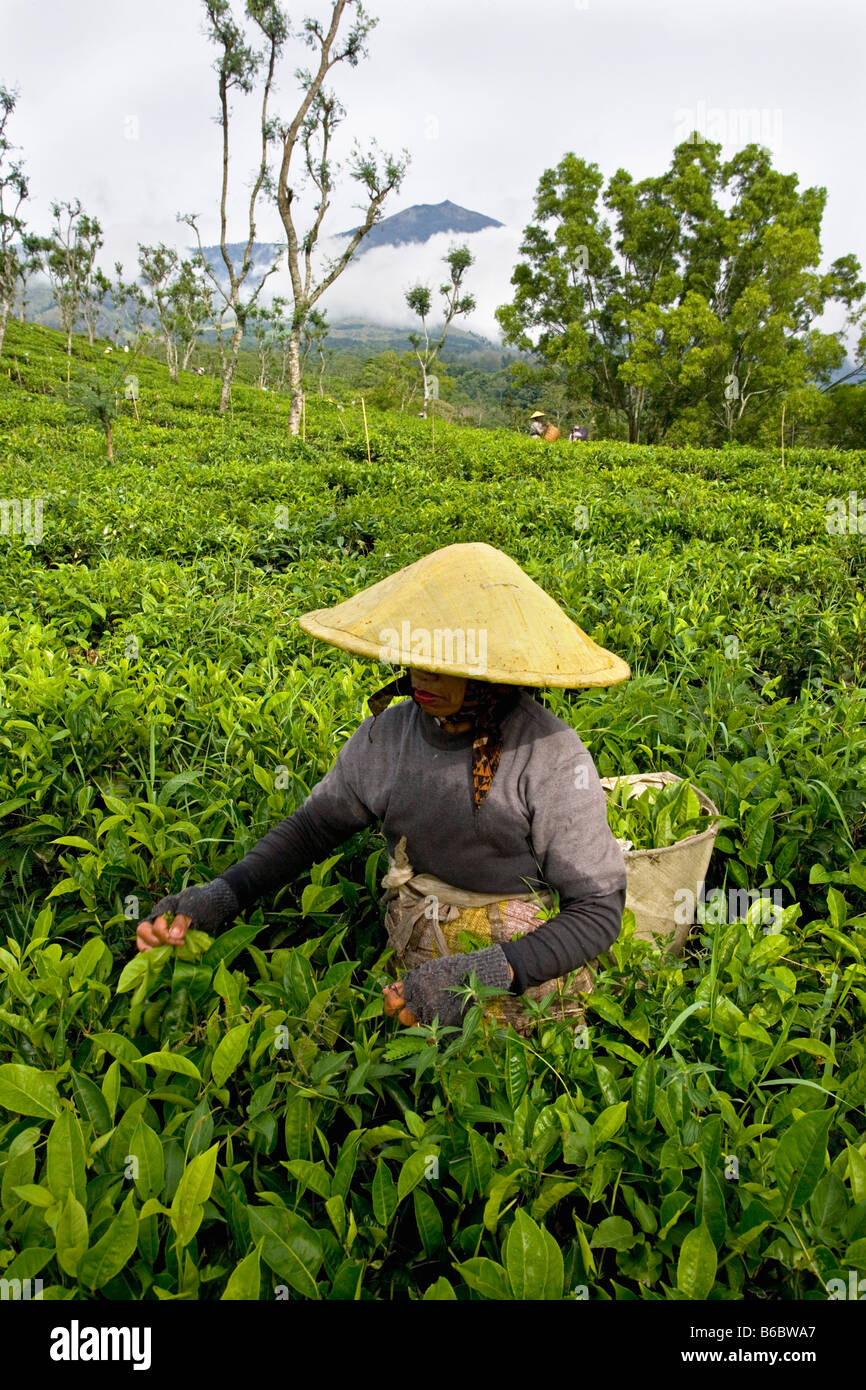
(538, 415)
(468, 610)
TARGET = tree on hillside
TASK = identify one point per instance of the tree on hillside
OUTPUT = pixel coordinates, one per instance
(267, 324)
(29, 264)
(309, 134)
(94, 399)
(95, 290)
(420, 301)
(68, 256)
(13, 192)
(130, 305)
(179, 300)
(390, 381)
(314, 337)
(238, 67)
(692, 313)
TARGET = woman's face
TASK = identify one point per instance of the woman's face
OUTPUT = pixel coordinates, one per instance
(437, 695)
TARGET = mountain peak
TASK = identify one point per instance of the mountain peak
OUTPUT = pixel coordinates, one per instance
(421, 222)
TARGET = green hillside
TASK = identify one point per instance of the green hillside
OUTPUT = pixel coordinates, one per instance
(160, 709)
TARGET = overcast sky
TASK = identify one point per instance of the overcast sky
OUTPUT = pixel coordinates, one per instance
(117, 99)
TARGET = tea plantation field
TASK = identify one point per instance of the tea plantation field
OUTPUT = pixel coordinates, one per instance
(238, 1120)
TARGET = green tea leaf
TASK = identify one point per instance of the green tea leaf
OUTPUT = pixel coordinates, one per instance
(516, 1075)
(696, 1266)
(229, 1052)
(414, 1170)
(112, 1251)
(290, 1247)
(384, 1193)
(172, 1061)
(71, 1235)
(146, 1148)
(527, 1258)
(440, 1292)
(90, 1102)
(244, 1282)
(192, 1192)
(428, 1221)
(711, 1205)
(609, 1122)
(310, 1175)
(28, 1091)
(801, 1155)
(65, 1168)
(486, 1278)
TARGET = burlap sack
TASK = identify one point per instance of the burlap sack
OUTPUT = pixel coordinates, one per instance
(656, 878)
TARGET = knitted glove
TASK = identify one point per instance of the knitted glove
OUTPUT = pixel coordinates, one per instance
(426, 988)
(207, 904)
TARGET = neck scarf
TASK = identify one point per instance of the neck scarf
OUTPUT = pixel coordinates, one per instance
(484, 708)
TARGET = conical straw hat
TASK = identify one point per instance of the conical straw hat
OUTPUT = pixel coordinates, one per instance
(467, 610)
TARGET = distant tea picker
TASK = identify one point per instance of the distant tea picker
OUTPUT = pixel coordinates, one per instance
(542, 428)
(502, 863)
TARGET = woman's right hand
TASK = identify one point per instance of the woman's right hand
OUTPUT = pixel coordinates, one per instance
(209, 905)
(157, 932)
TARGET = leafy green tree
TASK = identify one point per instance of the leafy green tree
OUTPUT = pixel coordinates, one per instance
(692, 312)
(69, 258)
(264, 321)
(13, 192)
(95, 290)
(178, 298)
(390, 381)
(420, 300)
(130, 305)
(315, 336)
(94, 399)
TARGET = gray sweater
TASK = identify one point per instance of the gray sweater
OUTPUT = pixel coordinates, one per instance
(543, 824)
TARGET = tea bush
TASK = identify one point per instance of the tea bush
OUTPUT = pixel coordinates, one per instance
(238, 1120)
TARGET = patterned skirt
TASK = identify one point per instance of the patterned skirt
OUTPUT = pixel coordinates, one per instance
(427, 919)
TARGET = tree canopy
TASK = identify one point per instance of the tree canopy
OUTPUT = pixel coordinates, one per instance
(686, 304)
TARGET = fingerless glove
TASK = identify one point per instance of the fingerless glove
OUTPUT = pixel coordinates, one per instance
(426, 989)
(208, 905)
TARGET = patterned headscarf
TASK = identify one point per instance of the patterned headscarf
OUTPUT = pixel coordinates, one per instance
(484, 707)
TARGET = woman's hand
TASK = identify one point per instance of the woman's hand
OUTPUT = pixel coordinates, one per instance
(426, 992)
(394, 1004)
(209, 905)
(159, 933)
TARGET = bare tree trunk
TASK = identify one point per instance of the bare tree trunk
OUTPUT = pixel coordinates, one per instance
(4, 314)
(230, 360)
(295, 380)
(171, 357)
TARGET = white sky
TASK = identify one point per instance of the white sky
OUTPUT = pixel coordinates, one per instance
(117, 99)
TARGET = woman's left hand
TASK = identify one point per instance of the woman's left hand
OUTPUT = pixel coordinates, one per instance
(394, 1004)
(426, 991)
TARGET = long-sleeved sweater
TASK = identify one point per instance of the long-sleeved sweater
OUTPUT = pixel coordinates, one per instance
(543, 823)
